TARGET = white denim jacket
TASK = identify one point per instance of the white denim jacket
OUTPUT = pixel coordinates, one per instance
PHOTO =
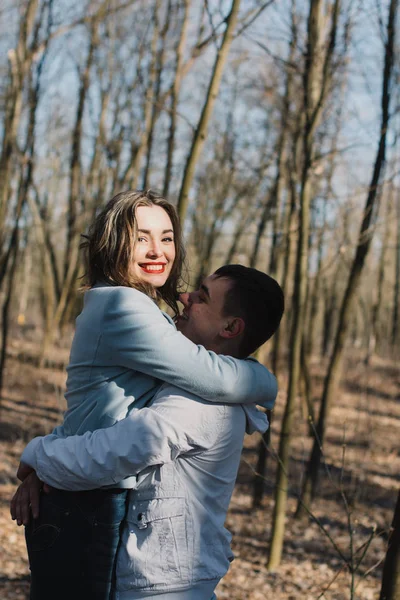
(185, 452)
(124, 348)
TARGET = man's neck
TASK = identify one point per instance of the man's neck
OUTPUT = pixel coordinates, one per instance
(228, 348)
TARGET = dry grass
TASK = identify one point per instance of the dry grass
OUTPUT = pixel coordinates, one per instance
(362, 459)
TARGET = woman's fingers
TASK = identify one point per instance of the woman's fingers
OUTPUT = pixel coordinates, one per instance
(26, 500)
(35, 497)
(17, 503)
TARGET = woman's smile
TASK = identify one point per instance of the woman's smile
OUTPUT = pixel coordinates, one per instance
(154, 252)
(153, 267)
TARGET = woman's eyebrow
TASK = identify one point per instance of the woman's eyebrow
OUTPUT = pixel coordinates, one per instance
(148, 231)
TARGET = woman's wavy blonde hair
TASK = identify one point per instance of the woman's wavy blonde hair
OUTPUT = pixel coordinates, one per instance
(110, 242)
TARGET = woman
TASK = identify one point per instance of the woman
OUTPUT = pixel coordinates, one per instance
(123, 347)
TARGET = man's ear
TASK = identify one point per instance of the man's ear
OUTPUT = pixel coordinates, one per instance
(234, 327)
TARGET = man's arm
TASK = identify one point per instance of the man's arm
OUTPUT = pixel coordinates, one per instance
(173, 425)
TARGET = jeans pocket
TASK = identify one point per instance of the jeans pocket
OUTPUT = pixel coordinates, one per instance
(108, 517)
(111, 510)
(43, 532)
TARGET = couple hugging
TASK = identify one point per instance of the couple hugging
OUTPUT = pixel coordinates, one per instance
(127, 499)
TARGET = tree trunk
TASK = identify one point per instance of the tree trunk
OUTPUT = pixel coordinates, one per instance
(148, 105)
(212, 93)
(176, 86)
(155, 109)
(391, 569)
(6, 310)
(75, 162)
(20, 60)
(364, 241)
(241, 227)
(396, 291)
(261, 468)
(75, 201)
(274, 200)
(374, 331)
(316, 84)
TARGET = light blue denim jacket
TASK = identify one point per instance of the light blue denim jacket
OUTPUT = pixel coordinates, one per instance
(186, 454)
(124, 348)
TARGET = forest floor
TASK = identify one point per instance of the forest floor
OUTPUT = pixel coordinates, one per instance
(359, 485)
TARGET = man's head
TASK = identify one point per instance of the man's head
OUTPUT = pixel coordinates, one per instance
(234, 311)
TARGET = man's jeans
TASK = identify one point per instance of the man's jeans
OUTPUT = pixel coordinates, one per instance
(72, 546)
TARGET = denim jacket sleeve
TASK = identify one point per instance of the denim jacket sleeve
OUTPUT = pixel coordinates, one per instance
(138, 337)
(173, 425)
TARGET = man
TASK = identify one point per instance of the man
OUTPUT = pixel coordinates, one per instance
(184, 451)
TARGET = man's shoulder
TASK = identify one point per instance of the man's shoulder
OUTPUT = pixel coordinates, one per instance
(168, 391)
(190, 407)
(206, 422)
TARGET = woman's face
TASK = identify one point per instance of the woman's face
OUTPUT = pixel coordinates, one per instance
(154, 252)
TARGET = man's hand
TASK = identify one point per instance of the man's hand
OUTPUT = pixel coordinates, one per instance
(26, 499)
(23, 471)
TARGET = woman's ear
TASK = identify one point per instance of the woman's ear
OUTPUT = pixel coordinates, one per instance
(234, 327)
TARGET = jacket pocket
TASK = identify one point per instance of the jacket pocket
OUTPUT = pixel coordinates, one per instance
(158, 543)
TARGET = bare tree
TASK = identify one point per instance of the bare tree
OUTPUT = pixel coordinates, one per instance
(20, 62)
(364, 241)
(391, 569)
(212, 93)
(274, 203)
(317, 82)
(175, 90)
(396, 290)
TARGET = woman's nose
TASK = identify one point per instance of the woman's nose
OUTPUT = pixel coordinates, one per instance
(154, 250)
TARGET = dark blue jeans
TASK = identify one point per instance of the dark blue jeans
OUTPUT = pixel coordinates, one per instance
(72, 546)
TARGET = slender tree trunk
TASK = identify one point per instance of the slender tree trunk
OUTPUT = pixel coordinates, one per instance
(212, 93)
(364, 241)
(176, 86)
(148, 105)
(20, 60)
(330, 300)
(75, 162)
(25, 182)
(75, 199)
(374, 337)
(261, 468)
(391, 569)
(6, 310)
(241, 227)
(155, 109)
(316, 85)
(290, 236)
(396, 290)
(276, 201)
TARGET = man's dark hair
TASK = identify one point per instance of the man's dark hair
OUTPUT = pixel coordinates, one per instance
(258, 299)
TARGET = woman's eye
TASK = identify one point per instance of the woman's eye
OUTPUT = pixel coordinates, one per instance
(141, 239)
(168, 239)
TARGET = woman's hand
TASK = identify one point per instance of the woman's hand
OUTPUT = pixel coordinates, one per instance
(23, 471)
(26, 499)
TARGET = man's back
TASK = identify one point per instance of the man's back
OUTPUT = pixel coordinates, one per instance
(174, 535)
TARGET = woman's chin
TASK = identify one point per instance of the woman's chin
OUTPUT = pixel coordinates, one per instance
(156, 281)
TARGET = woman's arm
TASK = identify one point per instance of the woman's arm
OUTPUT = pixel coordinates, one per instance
(138, 336)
